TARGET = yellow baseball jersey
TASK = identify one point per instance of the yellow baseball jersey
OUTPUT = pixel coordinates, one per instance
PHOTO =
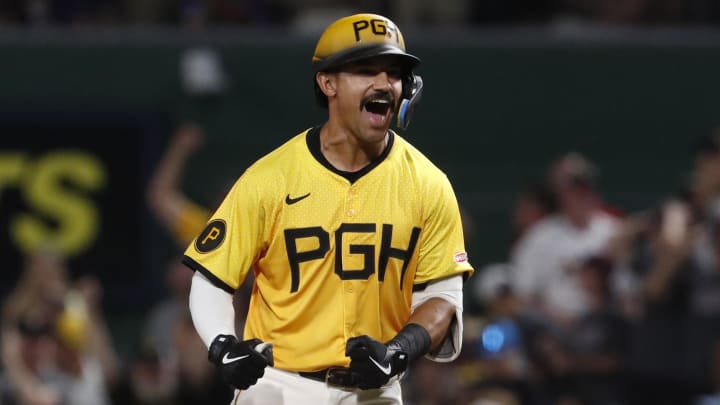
(334, 254)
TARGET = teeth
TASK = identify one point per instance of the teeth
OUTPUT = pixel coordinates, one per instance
(377, 106)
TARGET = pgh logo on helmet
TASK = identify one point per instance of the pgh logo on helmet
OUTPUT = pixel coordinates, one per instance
(378, 27)
(363, 36)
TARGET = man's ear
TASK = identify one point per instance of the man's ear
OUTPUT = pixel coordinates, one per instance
(326, 83)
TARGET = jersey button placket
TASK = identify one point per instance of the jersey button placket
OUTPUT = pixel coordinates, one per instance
(349, 287)
(350, 204)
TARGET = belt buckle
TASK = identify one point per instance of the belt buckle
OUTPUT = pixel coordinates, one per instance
(341, 377)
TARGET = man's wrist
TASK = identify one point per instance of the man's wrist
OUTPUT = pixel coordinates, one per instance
(219, 346)
(413, 340)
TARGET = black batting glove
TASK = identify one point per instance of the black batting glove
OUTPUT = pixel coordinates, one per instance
(374, 363)
(240, 363)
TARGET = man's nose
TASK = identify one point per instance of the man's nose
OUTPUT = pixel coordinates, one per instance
(382, 81)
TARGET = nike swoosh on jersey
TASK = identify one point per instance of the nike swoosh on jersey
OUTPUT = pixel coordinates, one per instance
(227, 359)
(385, 369)
(290, 201)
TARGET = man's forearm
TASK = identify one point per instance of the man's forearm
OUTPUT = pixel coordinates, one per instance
(434, 316)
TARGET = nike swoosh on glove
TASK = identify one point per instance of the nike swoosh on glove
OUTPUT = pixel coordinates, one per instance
(373, 362)
(240, 363)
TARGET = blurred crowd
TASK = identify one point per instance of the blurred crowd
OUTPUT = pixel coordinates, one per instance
(597, 306)
(57, 348)
(198, 13)
(593, 306)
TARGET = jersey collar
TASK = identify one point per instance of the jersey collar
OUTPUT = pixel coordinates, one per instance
(312, 139)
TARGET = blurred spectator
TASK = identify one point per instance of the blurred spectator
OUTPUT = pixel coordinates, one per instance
(598, 342)
(704, 183)
(181, 216)
(544, 363)
(670, 244)
(148, 381)
(198, 381)
(501, 340)
(28, 350)
(535, 202)
(184, 219)
(522, 357)
(501, 350)
(55, 346)
(38, 294)
(704, 304)
(674, 251)
(168, 334)
(627, 283)
(87, 365)
(28, 354)
(545, 259)
(660, 252)
(431, 383)
(575, 169)
(168, 329)
(169, 312)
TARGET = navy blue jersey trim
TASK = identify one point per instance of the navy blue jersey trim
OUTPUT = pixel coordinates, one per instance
(195, 266)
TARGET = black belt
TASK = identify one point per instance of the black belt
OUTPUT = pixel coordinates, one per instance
(337, 376)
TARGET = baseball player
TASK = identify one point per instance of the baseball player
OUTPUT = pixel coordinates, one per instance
(354, 238)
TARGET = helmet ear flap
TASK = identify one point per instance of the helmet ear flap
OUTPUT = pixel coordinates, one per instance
(412, 87)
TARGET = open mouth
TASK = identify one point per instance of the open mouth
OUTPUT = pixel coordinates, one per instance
(377, 106)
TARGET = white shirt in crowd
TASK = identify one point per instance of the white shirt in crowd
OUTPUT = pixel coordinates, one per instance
(544, 259)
